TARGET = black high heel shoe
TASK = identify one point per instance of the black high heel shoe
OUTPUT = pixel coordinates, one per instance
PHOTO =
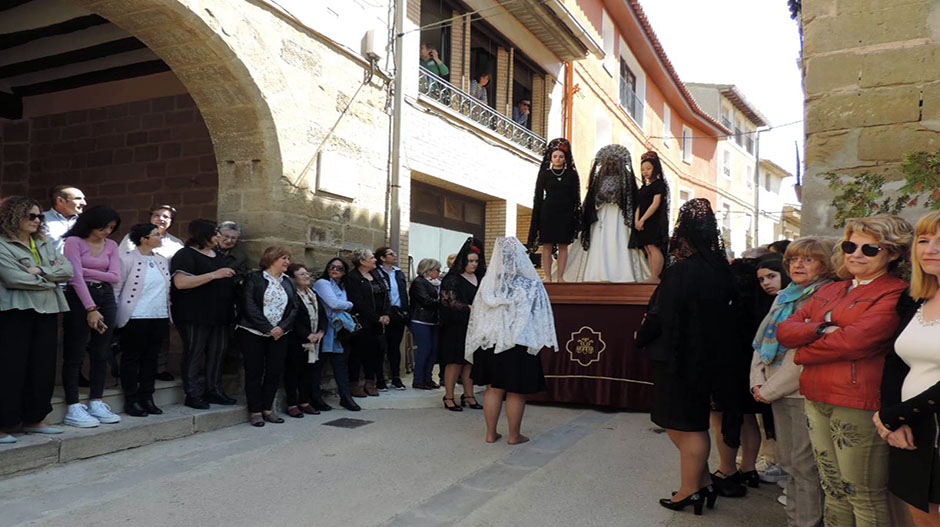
(696, 500)
(453, 408)
(711, 495)
(475, 405)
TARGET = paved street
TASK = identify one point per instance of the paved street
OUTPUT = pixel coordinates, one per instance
(415, 464)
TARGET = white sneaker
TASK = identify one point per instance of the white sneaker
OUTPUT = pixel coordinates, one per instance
(773, 474)
(103, 413)
(782, 499)
(78, 416)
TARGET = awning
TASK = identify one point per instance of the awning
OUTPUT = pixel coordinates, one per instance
(556, 27)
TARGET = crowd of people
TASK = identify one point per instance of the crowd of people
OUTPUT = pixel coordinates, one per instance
(828, 347)
(828, 342)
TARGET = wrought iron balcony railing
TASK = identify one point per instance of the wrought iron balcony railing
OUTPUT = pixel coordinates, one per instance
(632, 103)
(438, 89)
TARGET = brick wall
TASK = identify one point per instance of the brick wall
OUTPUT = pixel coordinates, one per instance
(503, 81)
(457, 52)
(539, 105)
(127, 156)
(495, 224)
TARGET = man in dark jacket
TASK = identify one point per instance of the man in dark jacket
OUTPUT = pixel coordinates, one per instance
(398, 295)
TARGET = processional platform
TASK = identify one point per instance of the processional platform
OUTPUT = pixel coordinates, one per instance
(597, 362)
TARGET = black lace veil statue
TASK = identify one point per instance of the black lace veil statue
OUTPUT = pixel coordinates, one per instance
(612, 180)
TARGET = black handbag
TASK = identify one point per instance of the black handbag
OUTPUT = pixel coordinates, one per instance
(400, 316)
(345, 335)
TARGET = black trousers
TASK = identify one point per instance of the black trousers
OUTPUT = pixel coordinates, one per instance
(394, 332)
(203, 344)
(27, 365)
(298, 375)
(78, 337)
(141, 341)
(366, 351)
(264, 362)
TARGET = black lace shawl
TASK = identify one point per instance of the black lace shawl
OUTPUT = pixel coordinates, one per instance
(562, 144)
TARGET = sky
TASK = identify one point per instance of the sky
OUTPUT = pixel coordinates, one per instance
(752, 44)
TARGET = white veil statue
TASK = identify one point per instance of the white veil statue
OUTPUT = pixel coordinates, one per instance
(511, 307)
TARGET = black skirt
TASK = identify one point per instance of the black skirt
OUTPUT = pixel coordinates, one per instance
(513, 370)
(676, 405)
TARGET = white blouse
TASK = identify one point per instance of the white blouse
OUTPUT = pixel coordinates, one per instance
(917, 347)
(152, 302)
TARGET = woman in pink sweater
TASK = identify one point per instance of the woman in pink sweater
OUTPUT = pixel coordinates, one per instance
(90, 321)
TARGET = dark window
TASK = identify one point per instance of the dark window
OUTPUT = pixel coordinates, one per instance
(628, 98)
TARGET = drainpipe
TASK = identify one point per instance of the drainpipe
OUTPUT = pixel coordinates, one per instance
(394, 211)
(757, 187)
(569, 100)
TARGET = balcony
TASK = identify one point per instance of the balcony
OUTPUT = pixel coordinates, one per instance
(458, 101)
(632, 103)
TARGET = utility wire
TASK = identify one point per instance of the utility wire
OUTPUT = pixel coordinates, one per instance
(726, 135)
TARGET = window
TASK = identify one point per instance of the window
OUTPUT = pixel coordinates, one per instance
(727, 116)
(726, 223)
(684, 196)
(610, 55)
(767, 182)
(628, 97)
(749, 233)
(687, 144)
(667, 125)
(726, 163)
(749, 142)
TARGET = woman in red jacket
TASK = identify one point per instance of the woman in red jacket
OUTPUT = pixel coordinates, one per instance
(843, 334)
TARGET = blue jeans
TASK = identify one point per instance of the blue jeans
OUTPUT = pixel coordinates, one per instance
(426, 353)
(339, 363)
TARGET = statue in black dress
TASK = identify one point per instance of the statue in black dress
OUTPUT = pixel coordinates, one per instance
(556, 207)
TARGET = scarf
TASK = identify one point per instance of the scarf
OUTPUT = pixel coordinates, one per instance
(765, 342)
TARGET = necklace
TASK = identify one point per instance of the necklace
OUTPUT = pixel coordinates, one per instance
(923, 320)
(557, 174)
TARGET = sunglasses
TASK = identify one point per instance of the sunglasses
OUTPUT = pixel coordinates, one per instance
(34, 217)
(869, 249)
(337, 268)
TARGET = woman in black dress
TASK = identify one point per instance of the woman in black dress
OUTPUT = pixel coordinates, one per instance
(652, 214)
(686, 332)
(556, 207)
(457, 293)
(510, 323)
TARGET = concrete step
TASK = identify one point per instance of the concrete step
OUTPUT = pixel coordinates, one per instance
(33, 452)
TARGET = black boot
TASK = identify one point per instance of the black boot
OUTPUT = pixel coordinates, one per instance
(220, 398)
(320, 404)
(197, 403)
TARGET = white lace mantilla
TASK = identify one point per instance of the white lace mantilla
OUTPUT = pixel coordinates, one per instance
(511, 307)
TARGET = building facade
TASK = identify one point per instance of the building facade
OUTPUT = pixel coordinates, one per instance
(872, 94)
(777, 218)
(737, 196)
(633, 96)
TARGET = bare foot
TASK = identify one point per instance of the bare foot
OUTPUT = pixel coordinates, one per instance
(494, 438)
(518, 440)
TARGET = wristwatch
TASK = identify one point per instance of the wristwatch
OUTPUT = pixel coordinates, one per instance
(821, 329)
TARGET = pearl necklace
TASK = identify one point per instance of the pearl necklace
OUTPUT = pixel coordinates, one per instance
(923, 320)
(556, 174)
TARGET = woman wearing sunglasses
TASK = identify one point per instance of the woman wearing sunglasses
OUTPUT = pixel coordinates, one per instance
(30, 300)
(910, 390)
(842, 335)
(331, 292)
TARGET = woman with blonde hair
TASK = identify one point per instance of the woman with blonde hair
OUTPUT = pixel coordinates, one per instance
(775, 379)
(842, 335)
(425, 319)
(910, 388)
(31, 271)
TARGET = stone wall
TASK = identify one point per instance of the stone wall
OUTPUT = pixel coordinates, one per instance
(872, 82)
(127, 156)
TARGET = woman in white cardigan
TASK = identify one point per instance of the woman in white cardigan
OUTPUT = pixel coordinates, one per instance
(775, 379)
(143, 299)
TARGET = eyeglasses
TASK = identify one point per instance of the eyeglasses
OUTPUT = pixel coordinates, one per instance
(337, 268)
(869, 249)
(154, 235)
(34, 217)
(808, 260)
(526, 104)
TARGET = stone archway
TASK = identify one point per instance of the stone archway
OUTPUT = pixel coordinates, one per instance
(220, 60)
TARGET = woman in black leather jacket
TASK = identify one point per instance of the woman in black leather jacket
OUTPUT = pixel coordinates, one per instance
(269, 306)
(368, 292)
(425, 303)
